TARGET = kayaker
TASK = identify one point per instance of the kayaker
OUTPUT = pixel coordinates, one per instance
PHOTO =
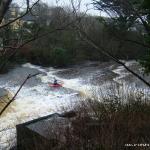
(55, 82)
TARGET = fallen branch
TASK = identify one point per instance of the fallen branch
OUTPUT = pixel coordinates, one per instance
(27, 78)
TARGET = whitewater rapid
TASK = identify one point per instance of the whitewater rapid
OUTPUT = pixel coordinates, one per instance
(37, 99)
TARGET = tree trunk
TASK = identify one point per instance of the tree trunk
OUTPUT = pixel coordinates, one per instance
(4, 5)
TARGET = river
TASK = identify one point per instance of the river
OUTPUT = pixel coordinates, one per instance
(37, 99)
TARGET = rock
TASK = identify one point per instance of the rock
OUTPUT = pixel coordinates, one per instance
(45, 133)
(5, 97)
(5, 94)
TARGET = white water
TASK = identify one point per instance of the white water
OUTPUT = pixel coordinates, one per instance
(122, 72)
(40, 100)
(127, 88)
(36, 101)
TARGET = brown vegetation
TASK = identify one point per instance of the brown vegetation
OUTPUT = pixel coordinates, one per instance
(108, 123)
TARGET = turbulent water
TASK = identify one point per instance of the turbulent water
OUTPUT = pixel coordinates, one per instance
(38, 99)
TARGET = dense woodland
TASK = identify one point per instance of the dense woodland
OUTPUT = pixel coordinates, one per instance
(65, 47)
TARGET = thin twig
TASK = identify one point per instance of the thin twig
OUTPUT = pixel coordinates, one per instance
(13, 98)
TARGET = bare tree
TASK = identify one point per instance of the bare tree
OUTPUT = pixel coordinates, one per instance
(10, 46)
